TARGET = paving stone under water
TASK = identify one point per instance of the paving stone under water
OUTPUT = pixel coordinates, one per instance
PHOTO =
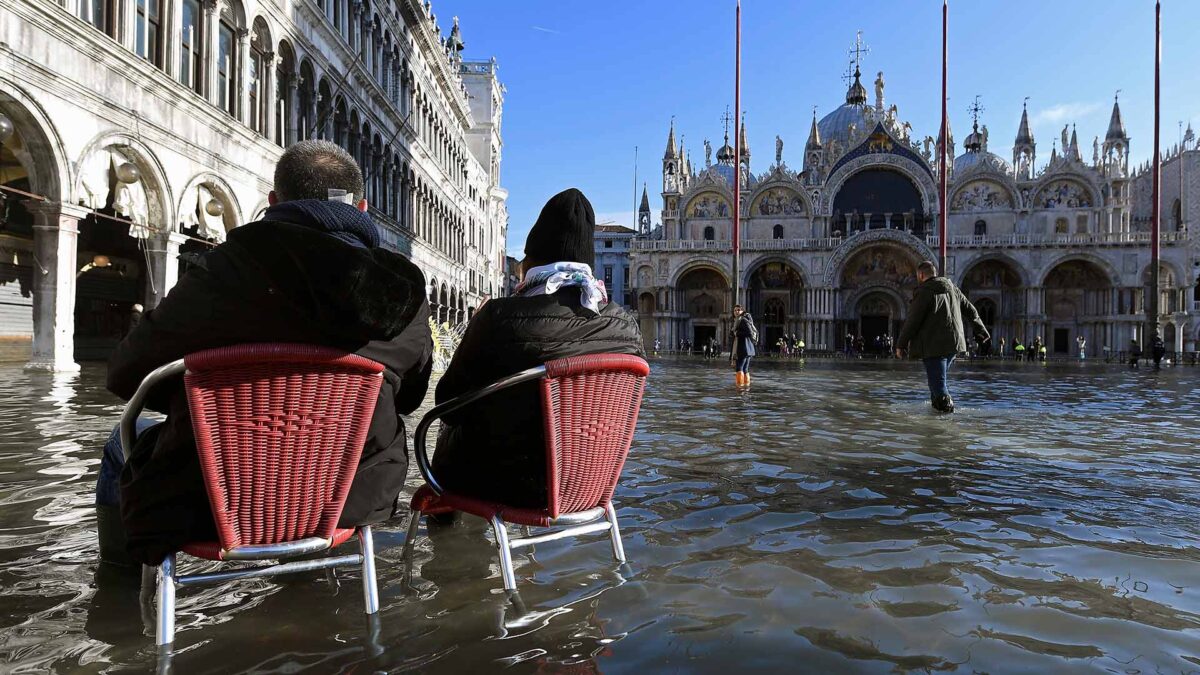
(825, 520)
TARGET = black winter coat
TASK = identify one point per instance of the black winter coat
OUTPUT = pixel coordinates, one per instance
(937, 320)
(496, 448)
(272, 282)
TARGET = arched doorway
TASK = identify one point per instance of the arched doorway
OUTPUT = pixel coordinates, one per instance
(883, 269)
(995, 289)
(703, 294)
(775, 295)
(1077, 302)
(878, 198)
(646, 318)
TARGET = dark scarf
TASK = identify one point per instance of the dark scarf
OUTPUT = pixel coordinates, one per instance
(337, 219)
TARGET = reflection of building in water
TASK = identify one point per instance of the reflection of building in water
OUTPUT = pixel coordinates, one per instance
(152, 129)
(1059, 251)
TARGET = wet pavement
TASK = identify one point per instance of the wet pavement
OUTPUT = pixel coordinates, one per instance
(825, 520)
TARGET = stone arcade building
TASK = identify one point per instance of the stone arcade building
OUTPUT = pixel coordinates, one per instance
(135, 132)
(831, 250)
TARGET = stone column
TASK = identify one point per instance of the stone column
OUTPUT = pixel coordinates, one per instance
(242, 75)
(211, 12)
(291, 89)
(269, 95)
(55, 238)
(163, 256)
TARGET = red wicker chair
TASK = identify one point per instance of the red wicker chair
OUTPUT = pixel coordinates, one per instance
(590, 406)
(279, 430)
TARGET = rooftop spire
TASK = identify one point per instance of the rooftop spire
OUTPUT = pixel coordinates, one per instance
(645, 206)
(1116, 126)
(1024, 135)
(814, 134)
(671, 152)
(745, 149)
(857, 93)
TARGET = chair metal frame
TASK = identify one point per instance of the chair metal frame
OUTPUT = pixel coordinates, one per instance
(567, 524)
(168, 577)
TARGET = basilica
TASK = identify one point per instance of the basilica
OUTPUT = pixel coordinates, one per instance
(1058, 251)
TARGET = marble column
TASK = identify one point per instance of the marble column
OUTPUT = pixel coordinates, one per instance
(211, 21)
(163, 256)
(268, 95)
(55, 242)
(291, 89)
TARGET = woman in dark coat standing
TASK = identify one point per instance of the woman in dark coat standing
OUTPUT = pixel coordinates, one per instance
(744, 337)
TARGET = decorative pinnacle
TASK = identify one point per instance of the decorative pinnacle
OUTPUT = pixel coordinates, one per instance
(726, 119)
(858, 51)
(975, 108)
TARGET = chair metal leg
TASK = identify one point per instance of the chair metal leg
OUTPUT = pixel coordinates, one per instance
(614, 532)
(366, 544)
(414, 522)
(165, 634)
(506, 563)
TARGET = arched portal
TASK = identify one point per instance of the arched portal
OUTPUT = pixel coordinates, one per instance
(884, 267)
(995, 288)
(877, 198)
(1077, 302)
(702, 293)
(775, 298)
(879, 316)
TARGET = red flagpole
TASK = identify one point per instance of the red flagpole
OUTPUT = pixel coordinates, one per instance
(737, 147)
(942, 206)
(1156, 171)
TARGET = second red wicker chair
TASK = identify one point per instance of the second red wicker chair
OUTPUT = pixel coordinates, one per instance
(590, 407)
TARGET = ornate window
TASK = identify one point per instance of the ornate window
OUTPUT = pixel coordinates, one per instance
(777, 232)
(773, 311)
(227, 66)
(709, 233)
(191, 41)
(1061, 226)
(148, 40)
(980, 228)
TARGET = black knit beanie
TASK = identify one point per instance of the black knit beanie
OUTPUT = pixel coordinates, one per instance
(564, 231)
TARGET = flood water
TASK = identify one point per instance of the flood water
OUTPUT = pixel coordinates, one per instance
(823, 521)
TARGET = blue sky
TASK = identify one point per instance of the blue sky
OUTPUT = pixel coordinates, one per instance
(588, 81)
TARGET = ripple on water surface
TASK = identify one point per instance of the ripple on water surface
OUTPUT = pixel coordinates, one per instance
(823, 520)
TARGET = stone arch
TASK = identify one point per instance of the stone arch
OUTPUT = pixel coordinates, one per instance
(153, 175)
(756, 264)
(993, 256)
(700, 261)
(903, 165)
(1114, 277)
(216, 187)
(645, 276)
(897, 302)
(968, 195)
(41, 152)
(1060, 185)
(833, 270)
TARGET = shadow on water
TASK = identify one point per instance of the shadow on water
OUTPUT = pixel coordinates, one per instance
(824, 520)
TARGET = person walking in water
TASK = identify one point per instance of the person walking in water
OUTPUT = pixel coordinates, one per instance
(1082, 342)
(1157, 349)
(744, 336)
(935, 330)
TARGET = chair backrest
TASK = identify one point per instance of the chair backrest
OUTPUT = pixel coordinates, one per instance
(590, 408)
(279, 430)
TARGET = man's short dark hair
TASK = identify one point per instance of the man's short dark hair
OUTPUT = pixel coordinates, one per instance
(309, 169)
(927, 268)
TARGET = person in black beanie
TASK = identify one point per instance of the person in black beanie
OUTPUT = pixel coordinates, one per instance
(312, 272)
(495, 449)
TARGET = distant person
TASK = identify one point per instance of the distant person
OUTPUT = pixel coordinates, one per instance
(1002, 351)
(1035, 349)
(657, 346)
(1018, 349)
(800, 348)
(745, 334)
(935, 330)
(495, 449)
(135, 317)
(1081, 343)
(1157, 349)
(312, 271)
(1135, 353)
(1042, 353)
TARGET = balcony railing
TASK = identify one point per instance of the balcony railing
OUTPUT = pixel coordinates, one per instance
(956, 241)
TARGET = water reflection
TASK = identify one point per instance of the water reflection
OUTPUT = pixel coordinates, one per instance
(823, 520)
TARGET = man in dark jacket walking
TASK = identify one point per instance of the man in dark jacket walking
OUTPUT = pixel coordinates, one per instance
(311, 271)
(935, 330)
(496, 448)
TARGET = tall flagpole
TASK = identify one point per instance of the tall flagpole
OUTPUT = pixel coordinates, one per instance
(942, 210)
(1155, 196)
(636, 224)
(737, 148)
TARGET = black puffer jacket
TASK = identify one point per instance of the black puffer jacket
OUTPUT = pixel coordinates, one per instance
(272, 282)
(496, 448)
(937, 321)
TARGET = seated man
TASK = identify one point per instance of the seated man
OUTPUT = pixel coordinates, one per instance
(311, 271)
(496, 448)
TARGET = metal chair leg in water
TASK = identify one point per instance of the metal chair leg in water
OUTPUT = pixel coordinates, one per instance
(506, 563)
(614, 532)
(165, 633)
(370, 585)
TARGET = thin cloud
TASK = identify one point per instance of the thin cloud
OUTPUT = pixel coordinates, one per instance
(546, 30)
(1065, 112)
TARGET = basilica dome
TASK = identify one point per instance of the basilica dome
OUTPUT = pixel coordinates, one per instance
(977, 154)
(836, 125)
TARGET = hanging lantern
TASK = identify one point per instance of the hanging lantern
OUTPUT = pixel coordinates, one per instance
(6, 128)
(128, 173)
(214, 207)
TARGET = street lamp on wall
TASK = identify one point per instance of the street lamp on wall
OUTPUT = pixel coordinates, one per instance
(128, 173)
(6, 128)
(214, 207)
